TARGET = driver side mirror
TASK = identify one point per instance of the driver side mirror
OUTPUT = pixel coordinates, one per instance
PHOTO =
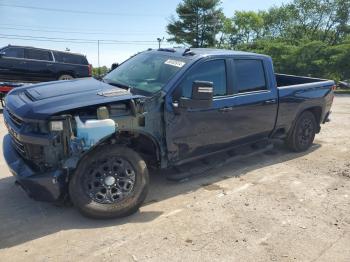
(202, 96)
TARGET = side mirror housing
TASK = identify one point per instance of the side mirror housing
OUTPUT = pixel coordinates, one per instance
(202, 96)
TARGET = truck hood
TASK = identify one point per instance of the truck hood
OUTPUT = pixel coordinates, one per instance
(40, 101)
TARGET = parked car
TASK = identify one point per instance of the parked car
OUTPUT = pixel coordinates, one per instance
(6, 87)
(344, 84)
(30, 64)
(94, 141)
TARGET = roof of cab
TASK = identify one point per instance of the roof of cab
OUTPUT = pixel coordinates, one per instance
(197, 53)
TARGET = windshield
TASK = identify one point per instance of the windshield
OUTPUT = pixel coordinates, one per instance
(148, 72)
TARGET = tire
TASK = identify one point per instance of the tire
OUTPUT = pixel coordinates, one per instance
(65, 77)
(303, 133)
(110, 182)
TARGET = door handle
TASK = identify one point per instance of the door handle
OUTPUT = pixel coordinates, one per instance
(271, 101)
(226, 109)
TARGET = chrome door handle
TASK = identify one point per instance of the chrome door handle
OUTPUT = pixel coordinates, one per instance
(271, 101)
(226, 109)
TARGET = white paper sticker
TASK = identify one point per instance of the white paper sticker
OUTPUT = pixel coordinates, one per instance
(174, 63)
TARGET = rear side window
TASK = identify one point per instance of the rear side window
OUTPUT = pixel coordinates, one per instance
(37, 54)
(70, 58)
(250, 75)
(13, 52)
(212, 71)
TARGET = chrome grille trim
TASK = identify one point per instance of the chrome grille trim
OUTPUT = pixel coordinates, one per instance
(18, 122)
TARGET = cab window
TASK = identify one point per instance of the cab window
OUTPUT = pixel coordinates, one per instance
(37, 54)
(13, 52)
(212, 71)
(250, 75)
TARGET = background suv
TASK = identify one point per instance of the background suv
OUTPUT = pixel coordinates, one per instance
(29, 64)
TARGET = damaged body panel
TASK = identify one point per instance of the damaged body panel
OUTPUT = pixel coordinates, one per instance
(168, 106)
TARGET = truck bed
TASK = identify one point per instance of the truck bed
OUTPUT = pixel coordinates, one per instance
(295, 93)
(291, 80)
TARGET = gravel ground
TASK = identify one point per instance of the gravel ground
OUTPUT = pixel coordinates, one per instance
(276, 206)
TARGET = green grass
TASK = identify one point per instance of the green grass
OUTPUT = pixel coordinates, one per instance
(342, 91)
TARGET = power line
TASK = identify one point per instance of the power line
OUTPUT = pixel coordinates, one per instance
(83, 30)
(71, 42)
(76, 11)
(46, 40)
(85, 12)
(80, 39)
(70, 32)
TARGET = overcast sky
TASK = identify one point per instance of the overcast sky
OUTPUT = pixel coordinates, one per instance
(131, 26)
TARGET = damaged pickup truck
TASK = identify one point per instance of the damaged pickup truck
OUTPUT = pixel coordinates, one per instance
(94, 141)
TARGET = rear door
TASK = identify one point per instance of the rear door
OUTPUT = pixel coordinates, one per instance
(72, 64)
(255, 103)
(40, 64)
(12, 64)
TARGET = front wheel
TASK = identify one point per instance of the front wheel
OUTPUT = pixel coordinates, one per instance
(110, 182)
(303, 133)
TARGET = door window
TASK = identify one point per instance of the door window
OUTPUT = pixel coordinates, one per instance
(13, 52)
(250, 75)
(70, 58)
(37, 54)
(212, 71)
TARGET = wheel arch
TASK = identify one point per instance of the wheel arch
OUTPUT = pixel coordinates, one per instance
(132, 139)
(315, 110)
(66, 72)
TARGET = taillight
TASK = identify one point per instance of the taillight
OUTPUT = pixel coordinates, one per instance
(5, 89)
(90, 70)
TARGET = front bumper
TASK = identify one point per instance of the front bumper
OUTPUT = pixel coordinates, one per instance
(327, 117)
(48, 186)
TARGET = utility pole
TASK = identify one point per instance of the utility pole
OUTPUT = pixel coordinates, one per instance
(98, 57)
(160, 41)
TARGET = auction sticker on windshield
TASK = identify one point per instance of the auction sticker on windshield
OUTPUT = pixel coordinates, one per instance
(174, 63)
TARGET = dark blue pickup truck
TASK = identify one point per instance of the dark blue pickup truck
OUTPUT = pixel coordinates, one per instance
(94, 141)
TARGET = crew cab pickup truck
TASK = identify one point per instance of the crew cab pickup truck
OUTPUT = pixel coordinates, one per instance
(94, 141)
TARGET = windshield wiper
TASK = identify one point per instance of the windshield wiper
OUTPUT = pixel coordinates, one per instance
(118, 84)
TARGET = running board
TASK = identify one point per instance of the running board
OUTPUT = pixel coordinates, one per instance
(198, 167)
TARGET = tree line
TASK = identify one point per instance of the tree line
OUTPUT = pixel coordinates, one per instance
(304, 37)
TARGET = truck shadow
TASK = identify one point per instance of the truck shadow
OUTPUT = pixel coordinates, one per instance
(23, 219)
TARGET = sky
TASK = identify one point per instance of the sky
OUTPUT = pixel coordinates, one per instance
(124, 27)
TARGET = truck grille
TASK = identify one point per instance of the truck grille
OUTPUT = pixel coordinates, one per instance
(18, 122)
(19, 146)
(33, 154)
(30, 152)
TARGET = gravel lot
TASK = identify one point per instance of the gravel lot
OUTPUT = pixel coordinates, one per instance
(277, 206)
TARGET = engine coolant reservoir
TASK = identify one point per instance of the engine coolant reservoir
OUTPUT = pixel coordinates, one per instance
(93, 131)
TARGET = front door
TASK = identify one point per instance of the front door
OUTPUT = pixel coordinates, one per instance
(12, 64)
(194, 132)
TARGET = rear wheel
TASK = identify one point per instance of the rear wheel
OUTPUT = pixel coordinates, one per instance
(110, 182)
(303, 133)
(65, 77)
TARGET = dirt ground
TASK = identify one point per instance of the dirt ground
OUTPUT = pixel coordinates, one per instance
(276, 206)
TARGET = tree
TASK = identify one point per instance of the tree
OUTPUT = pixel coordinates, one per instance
(311, 20)
(198, 23)
(98, 71)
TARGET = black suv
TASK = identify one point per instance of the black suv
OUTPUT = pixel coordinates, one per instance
(29, 64)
